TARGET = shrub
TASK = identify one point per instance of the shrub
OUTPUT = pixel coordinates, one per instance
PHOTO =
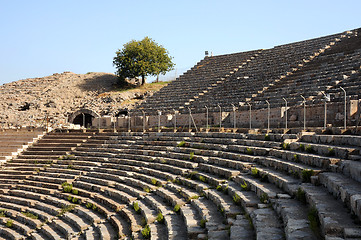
(74, 191)
(88, 205)
(245, 186)
(225, 190)
(285, 146)
(75, 200)
(255, 172)
(66, 208)
(70, 166)
(309, 149)
(314, 220)
(331, 152)
(30, 215)
(219, 188)
(301, 195)
(2, 213)
(146, 232)
(203, 223)
(193, 197)
(306, 175)
(154, 181)
(203, 179)
(176, 208)
(181, 144)
(146, 189)
(301, 147)
(67, 187)
(192, 175)
(264, 198)
(136, 207)
(295, 158)
(9, 223)
(267, 137)
(249, 151)
(160, 218)
(236, 198)
(191, 156)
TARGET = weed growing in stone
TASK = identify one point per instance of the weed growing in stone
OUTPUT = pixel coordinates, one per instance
(30, 215)
(9, 223)
(136, 207)
(236, 198)
(301, 195)
(245, 186)
(255, 172)
(301, 147)
(203, 223)
(146, 232)
(306, 175)
(160, 218)
(264, 198)
(267, 137)
(249, 151)
(285, 146)
(176, 208)
(67, 187)
(331, 152)
(314, 220)
(65, 209)
(2, 213)
(309, 149)
(191, 156)
(181, 144)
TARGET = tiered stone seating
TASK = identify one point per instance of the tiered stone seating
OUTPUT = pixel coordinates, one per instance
(183, 186)
(13, 141)
(290, 70)
(203, 76)
(337, 66)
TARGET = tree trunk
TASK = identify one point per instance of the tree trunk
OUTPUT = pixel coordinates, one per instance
(157, 78)
(143, 79)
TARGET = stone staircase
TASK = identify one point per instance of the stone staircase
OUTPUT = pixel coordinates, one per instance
(14, 141)
(90, 185)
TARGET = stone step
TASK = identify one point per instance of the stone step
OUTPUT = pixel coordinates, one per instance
(107, 232)
(9, 233)
(50, 233)
(333, 216)
(350, 169)
(240, 229)
(19, 227)
(267, 224)
(345, 189)
(192, 221)
(306, 158)
(295, 219)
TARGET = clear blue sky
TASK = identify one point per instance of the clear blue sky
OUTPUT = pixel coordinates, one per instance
(39, 38)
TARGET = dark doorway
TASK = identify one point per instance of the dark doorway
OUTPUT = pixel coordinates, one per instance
(83, 119)
(122, 113)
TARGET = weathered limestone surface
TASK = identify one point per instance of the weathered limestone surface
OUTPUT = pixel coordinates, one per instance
(26, 102)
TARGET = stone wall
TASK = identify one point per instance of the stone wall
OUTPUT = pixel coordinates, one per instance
(314, 118)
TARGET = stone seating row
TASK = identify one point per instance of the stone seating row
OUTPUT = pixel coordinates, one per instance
(211, 170)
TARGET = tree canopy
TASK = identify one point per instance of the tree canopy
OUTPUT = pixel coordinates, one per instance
(142, 58)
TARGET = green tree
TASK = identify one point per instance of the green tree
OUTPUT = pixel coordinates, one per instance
(141, 59)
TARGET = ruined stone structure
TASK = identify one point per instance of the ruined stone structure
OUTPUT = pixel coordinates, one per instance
(197, 184)
(55, 98)
(313, 68)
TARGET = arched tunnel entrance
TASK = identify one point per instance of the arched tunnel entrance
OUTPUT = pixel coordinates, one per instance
(83, 117)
